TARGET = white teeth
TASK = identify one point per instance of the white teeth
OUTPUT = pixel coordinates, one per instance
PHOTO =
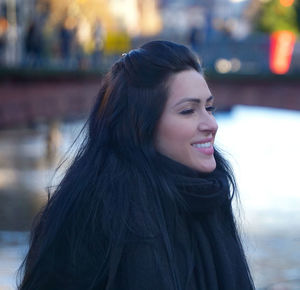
(203, 145)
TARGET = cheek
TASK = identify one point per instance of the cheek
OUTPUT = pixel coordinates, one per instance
(172, 135)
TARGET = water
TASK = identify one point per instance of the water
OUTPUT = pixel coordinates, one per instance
(263, 147)
(13, 246)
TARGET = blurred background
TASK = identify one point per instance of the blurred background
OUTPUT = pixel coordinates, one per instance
(53, 54)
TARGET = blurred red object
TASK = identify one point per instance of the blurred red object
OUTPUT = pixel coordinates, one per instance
(3, 25)
(281, 51)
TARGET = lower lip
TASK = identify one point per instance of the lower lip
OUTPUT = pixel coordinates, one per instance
(206, 151)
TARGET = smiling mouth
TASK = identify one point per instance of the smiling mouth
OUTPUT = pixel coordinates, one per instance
(206, 148)
(202, 145)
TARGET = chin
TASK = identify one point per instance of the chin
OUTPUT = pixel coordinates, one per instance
(206, 167)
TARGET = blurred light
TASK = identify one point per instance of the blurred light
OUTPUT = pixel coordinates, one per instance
(237, 1)
(137, 17)
(286, 3)
(239, 28)
(281, 50)
(264, 1)
(235, 64)
(223, 65)
(84, 31)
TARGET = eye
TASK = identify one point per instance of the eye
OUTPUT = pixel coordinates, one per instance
(211, 109)
(187, 112)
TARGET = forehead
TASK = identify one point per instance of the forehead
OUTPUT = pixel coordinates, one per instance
(187, 84)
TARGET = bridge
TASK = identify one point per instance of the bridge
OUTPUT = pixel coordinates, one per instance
(30, 100)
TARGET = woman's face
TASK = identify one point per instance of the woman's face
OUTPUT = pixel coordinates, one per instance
(187, 128)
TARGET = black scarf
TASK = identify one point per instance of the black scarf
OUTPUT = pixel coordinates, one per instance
(216, 260)
(201, 192)
(198, 247)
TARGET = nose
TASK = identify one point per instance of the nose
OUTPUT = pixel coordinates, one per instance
(208, 123)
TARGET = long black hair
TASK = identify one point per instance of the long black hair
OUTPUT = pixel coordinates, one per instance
(115, 184)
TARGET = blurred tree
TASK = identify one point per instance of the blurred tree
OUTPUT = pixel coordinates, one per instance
(78, 17)
(297, 8)
(137, 16)
(132, 17)
(76, 9)
(278, 15)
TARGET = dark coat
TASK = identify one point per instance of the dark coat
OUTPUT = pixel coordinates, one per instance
(205, 260)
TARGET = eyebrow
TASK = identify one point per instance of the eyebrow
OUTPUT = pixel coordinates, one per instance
(194, 100)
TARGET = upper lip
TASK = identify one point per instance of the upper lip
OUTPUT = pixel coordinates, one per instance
(203, 141)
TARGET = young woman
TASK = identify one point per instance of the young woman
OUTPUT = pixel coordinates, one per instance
(146, 204)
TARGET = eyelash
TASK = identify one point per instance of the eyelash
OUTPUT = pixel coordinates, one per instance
(187, 112)
(191, 111)
(211, 109)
